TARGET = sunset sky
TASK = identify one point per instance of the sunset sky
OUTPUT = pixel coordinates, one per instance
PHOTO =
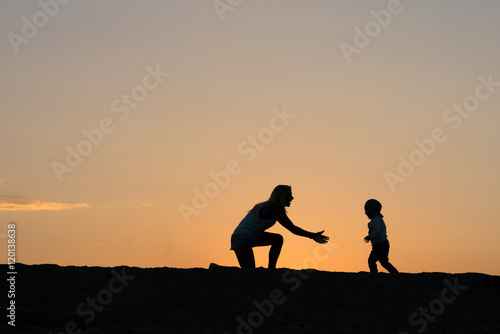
(140, 133)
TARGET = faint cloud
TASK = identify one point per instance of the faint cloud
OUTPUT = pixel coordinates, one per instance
(146, 204)
(17, 203)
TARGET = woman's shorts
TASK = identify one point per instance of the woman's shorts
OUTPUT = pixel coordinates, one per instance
(238, 240)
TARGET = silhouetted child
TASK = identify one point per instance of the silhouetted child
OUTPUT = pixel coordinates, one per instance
(377, 234)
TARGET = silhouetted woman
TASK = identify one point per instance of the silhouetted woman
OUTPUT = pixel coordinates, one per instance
(251, 230)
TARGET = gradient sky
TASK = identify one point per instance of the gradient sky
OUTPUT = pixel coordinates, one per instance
(342, 100)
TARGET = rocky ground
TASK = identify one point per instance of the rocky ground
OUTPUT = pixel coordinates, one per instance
(55, 299)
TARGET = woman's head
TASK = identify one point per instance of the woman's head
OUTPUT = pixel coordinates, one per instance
(282, 194)
(372, 208)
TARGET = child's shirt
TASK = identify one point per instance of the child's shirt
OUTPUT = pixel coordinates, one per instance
(377, 230)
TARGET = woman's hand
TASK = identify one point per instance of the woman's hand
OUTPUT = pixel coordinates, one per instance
(367, 238)
(320, 238)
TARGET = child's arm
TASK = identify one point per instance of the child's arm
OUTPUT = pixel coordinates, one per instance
(370, 232)
(374, 228)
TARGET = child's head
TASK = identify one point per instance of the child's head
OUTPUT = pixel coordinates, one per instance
(373, 208)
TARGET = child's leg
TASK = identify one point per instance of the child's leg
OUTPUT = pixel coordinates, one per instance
(389, 267)
(380, 252)
(372, 262)
(384, 259)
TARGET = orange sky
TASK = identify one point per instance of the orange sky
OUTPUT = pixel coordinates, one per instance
(116, 117)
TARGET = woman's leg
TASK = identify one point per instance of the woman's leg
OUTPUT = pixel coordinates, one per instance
(276, 242)
(245, 257)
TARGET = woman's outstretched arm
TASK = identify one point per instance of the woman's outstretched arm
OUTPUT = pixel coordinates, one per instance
(280, 213)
